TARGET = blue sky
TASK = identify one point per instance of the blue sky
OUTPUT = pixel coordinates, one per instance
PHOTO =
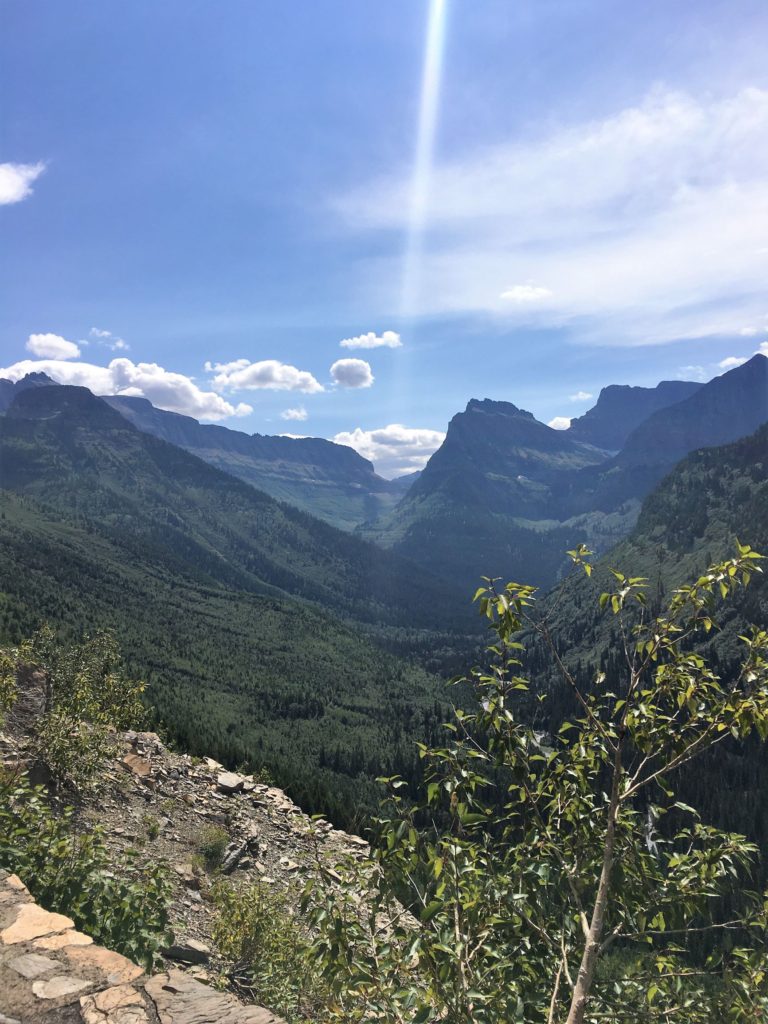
(202, 200)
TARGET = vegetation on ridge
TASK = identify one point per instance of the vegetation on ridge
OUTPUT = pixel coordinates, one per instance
(557, 879)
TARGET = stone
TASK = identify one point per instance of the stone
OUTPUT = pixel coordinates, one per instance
(189, 952)
(119, 1005)
(188, 875)
(118, 968)
(68, 938)
(58, 986)
(140, 766)
(32, 965)
(289, 865)
(180, 999)
(230, 782)
(9, 1020)
(31, 922)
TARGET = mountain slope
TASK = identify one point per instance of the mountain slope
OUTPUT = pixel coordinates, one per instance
(473, 510)
(620, 409)
(74, 452)
(9, 389)
(505, 495)
(728, 407)
(207, 584)
(690, 520)
(328, 480)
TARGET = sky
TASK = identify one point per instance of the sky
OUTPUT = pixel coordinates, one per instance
(345, 219)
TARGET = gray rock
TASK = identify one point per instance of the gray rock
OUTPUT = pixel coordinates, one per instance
(180, 999)
(230, 782)
(189, 952)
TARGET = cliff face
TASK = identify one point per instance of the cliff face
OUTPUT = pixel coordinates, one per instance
(621, 408)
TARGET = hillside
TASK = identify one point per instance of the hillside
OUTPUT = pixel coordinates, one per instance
(506, 495)
(689, 521)
(215, 592)
(330, 481)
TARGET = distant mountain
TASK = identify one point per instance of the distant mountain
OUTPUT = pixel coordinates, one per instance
(331, 481)
(470, 511)
(241, 612)
(620, 408)
(9, 389)
(506, 495)
(728, 407)
(73, 451)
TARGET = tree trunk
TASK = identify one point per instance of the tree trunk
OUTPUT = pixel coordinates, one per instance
(583, 986)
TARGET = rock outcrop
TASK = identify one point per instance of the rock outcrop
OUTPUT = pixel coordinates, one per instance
(52, 974)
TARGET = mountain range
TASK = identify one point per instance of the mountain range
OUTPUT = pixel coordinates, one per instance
(261, 630)
(328, 480)
(271, 636)
(506, 495)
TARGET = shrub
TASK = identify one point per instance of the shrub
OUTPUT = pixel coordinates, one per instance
(266, 951)
(122, 906)
(213, 842)
(89, 698)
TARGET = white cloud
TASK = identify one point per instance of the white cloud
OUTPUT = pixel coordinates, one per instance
(394, 449)
(16, 181)
(387, 339)
(580, 396)
(52, 346)
(165, 389)
(352, 373)
(295, 437)
(692, 373)
(268, 374)
(641, 224)
(109, 339)
(732, 361)
(560, 423)
(294, 414)
(523, 293)
(748, 332)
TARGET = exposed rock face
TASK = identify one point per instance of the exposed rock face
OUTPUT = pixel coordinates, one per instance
(74, 981)
(620, 408)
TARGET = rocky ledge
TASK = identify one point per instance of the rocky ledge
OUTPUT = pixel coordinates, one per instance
(52, 974)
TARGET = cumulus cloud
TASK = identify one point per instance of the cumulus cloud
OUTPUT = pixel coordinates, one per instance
(645, 226)
(387, 339)
(268, 374)
(394, 449)
(165, 389)
(581, 396)
(16, 181)
(523, 293)
(352, 373)
(560, 423)
(299, 413)
(52, 346)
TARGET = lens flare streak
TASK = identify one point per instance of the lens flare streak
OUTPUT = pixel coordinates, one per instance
(425, 145)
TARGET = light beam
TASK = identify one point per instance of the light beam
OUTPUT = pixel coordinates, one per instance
(425, 145)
